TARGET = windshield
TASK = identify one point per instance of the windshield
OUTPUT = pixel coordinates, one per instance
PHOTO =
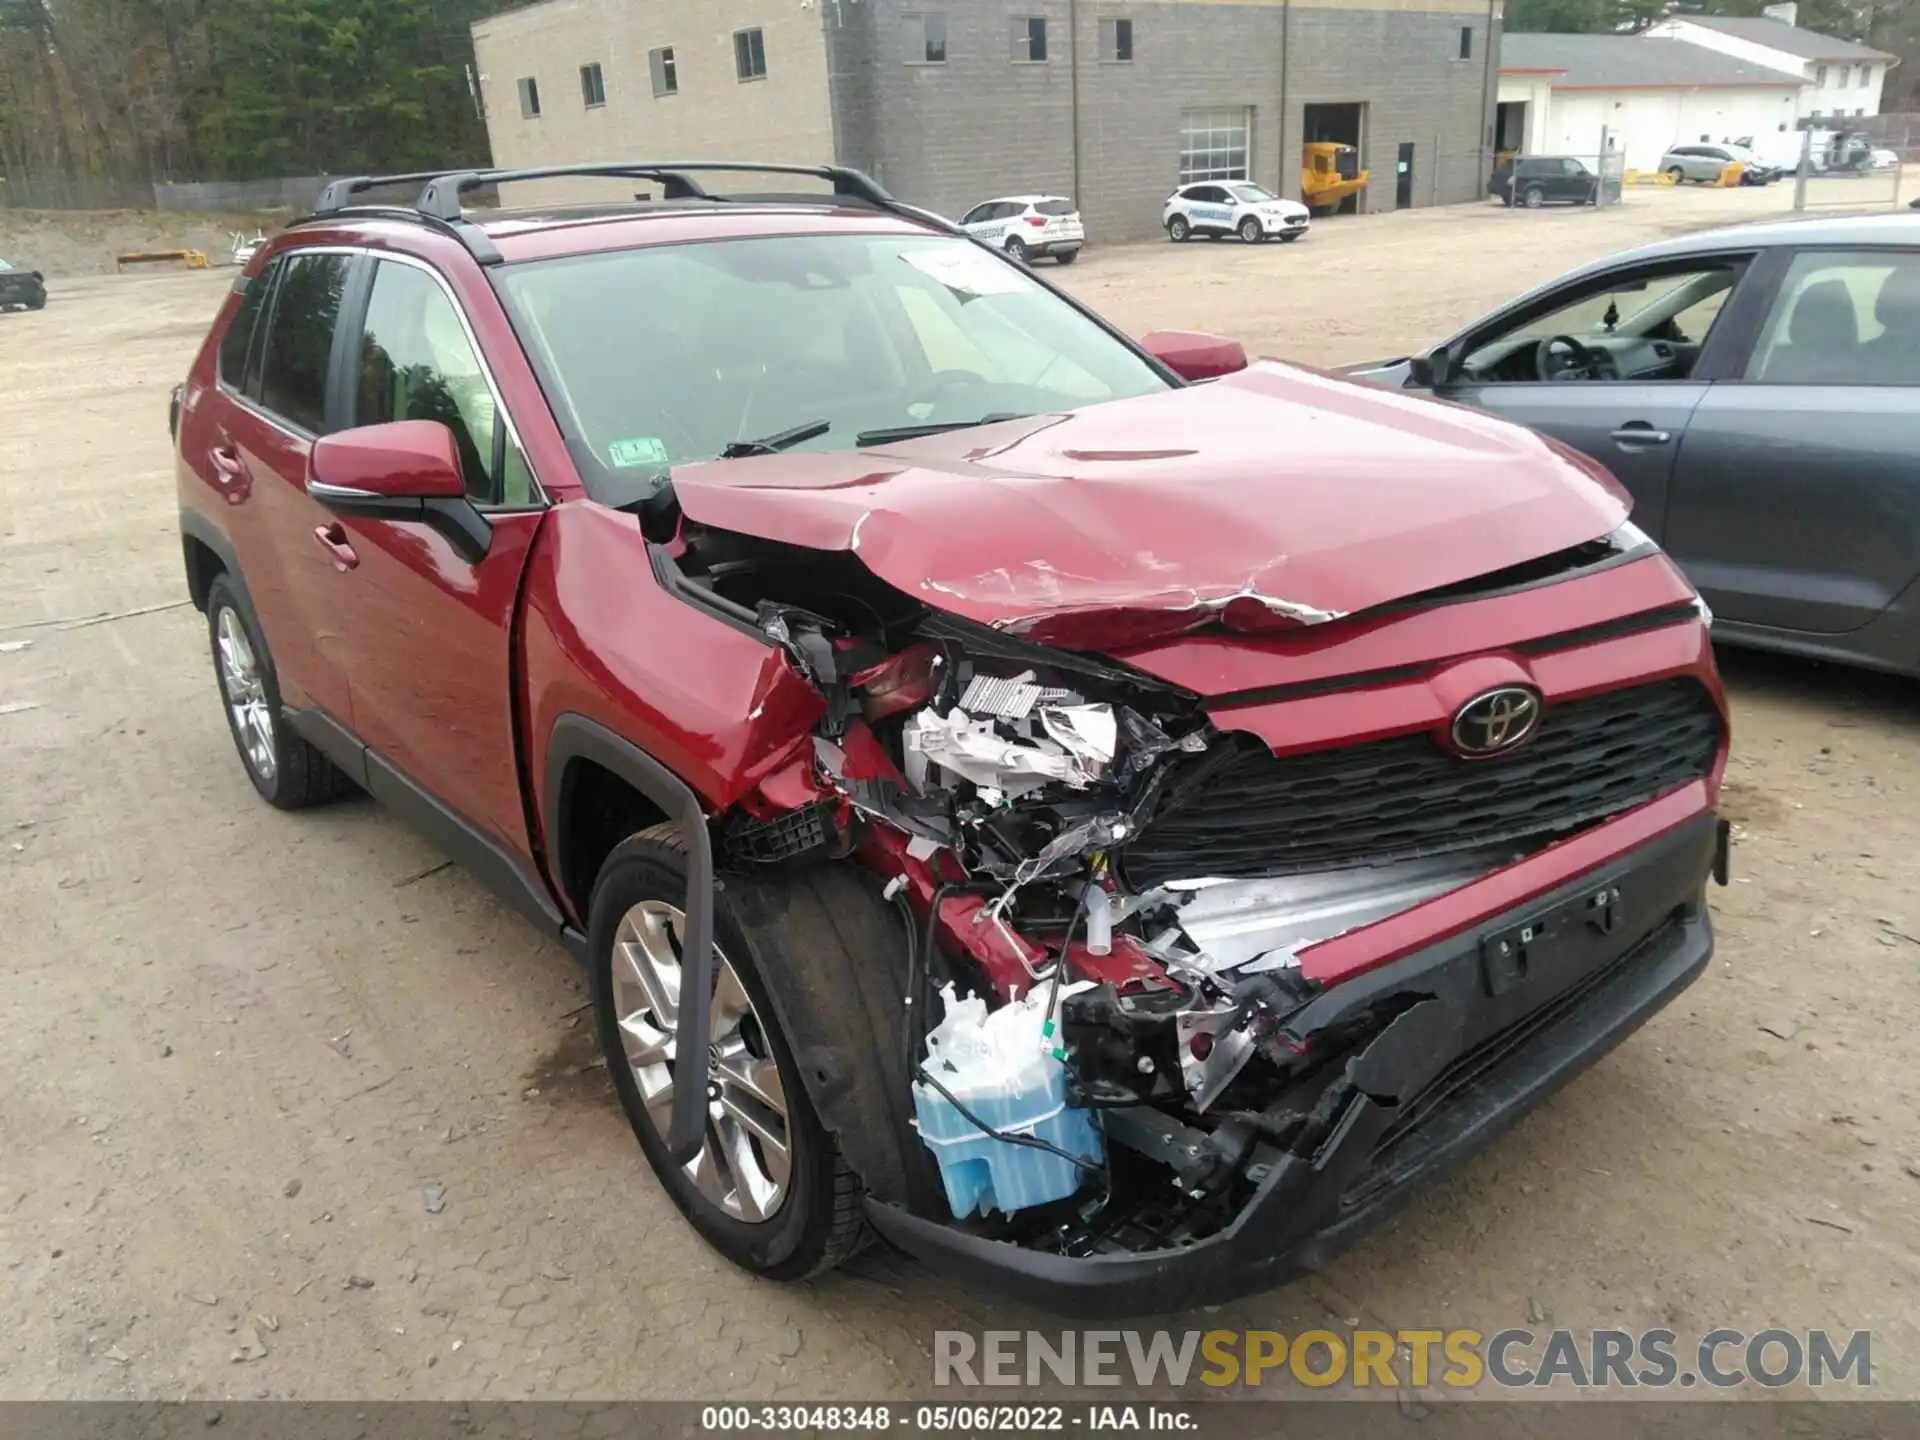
(4, 266)
(1252, 194)
(672, 354)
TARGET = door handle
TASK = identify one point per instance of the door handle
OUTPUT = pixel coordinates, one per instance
(333, 539)
(1638, 432)
(226, 463)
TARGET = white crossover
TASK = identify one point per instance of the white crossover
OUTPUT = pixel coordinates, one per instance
(1232, 207)
(1028, 227)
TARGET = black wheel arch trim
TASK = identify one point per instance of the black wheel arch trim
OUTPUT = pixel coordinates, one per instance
(575, 737)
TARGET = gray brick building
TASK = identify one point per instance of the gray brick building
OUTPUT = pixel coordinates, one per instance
(950, 102)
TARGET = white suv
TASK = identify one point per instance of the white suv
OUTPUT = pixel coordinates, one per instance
(1232, 207)
(1029, 226)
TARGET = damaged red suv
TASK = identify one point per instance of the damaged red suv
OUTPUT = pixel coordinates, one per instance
(1103, 817)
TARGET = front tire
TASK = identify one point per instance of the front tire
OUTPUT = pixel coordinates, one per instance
(769, 1190)
(1677, 174)
(1534, 197)
(1290, 237)
(1178, 229)
(287, 771)
(1251, 231)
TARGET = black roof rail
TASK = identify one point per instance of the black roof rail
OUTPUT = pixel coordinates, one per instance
(441, 195)
(438, 203)
(339, 193)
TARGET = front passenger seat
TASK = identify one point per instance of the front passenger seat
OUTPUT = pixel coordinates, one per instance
(1823, 338)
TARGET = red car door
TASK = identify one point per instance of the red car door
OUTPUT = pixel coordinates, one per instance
(424, 625)
(263, 441)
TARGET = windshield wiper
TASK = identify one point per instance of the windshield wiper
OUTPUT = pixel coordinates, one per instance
(775, 443)
(914, 432)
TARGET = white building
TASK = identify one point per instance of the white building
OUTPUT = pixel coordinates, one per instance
(1843, 80)
(1559, 94)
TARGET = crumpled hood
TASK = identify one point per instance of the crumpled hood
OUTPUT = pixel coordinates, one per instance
(1276, 496)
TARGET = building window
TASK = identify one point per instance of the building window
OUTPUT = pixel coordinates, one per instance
(926, 37)
(750, 54)
(593, 86)
(666, 79)
(1029, 39)
(1466, 42)
(1866, 77)
(1116, 40)
(1819, 74)
(1215, 144)
(1860, 114)
(529, 97)
(1846, 74)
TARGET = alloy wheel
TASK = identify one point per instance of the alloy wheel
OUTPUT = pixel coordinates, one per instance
(245, 692)
(746, 1163)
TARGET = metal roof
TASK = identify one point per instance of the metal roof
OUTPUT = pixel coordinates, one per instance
(1633, 62)
(1788, 39)
(1896, 227)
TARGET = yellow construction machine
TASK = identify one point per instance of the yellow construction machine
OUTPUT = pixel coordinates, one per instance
(1329, 173)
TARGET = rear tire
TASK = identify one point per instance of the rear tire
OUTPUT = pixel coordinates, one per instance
(1066, 257)
(1251, 230)
(780, 1216)
(39, 302)
(287, 771)
(1017, 251)
(1178, 229)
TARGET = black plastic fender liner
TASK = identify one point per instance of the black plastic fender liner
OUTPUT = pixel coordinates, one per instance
(834, 959)
(196, 526)
(575, 737)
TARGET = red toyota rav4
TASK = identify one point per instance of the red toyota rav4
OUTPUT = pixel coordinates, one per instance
(1104, 817)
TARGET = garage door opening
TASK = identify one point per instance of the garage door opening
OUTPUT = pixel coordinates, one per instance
(1511, 129)
(1331, 178)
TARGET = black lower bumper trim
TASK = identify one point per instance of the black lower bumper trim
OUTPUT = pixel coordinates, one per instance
(1507, 1050)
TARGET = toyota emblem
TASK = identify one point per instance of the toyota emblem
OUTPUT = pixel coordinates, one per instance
(1496, 720)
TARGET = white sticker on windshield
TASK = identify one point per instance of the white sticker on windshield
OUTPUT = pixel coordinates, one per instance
(967, 270)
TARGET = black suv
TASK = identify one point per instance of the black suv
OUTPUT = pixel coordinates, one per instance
(1536, 180)
(26, 288)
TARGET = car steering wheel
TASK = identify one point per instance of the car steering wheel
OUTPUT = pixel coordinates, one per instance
(1561, 357)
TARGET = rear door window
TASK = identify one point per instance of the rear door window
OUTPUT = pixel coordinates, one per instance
(306, 311)
(1843, 318)
(239, 337)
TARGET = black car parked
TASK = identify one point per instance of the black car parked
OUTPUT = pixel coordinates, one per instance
(1536, 180)
(25, 288)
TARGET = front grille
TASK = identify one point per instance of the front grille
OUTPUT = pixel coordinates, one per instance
(1244, 812)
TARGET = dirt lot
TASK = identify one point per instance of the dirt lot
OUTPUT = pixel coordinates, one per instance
(237, 1046)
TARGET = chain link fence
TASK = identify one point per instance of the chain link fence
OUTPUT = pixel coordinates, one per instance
(296, 193)
(1859, 167)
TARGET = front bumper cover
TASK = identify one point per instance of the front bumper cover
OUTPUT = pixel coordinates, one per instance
(1492, 1041)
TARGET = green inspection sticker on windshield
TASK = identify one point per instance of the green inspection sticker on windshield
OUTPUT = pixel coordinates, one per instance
(643, 450)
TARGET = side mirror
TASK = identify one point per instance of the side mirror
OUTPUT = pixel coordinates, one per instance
(1194, 356)
(404, 460)
(404, 470)
(1435, 369)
